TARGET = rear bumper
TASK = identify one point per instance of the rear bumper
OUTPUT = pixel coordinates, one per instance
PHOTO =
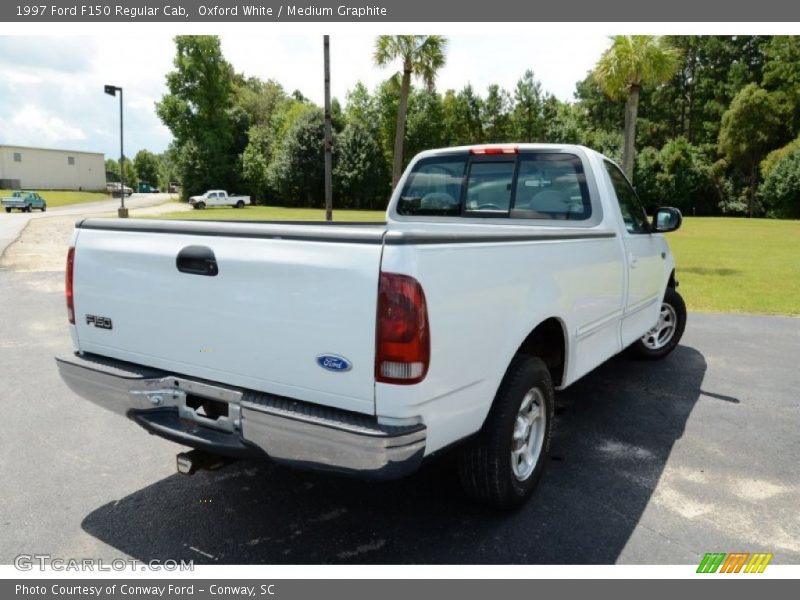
(256, 425)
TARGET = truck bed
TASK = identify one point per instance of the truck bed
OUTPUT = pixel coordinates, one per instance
(276, 298)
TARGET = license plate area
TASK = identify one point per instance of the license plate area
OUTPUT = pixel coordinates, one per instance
(210, 412)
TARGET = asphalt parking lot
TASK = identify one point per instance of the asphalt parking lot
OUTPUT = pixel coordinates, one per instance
(653, 463)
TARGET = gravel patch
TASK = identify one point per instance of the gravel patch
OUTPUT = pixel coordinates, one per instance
(43, 244)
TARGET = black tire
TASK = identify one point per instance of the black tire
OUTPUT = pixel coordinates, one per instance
(44, 208)
(240, 204)
(28, 208)
(485, 462)
(8, 209)
(674, 305)
(201, 205)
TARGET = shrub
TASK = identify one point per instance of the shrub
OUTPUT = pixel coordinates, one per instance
(780, 191)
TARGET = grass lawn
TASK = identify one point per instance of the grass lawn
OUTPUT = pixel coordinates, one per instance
(54, 199)
(738, 265)
(275, 213)
(723, 264)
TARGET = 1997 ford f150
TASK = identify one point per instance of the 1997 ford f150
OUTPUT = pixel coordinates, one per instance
(501, 274)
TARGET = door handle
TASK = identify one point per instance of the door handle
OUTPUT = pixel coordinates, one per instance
(632, 261)
(197, 260)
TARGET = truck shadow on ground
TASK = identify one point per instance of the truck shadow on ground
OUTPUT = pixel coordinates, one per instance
(614, 432)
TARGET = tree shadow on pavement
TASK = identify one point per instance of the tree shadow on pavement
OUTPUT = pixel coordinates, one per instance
(614, 431)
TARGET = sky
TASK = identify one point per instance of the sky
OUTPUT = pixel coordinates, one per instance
(51, 88)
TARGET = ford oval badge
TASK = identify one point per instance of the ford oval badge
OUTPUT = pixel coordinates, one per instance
(331, 362)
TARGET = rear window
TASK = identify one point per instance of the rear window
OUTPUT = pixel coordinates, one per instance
(551, 186)
(537, 185)
(434, 187)
(489, 187)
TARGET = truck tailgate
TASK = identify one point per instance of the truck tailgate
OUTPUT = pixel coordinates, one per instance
(279, 297)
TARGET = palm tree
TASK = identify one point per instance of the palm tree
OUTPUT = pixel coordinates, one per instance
(634, 61)
(422, 56)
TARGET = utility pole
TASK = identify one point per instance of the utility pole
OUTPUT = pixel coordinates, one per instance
(328, 144)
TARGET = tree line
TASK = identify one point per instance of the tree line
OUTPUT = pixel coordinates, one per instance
(706, 123)
(156, 170)
(717, 131)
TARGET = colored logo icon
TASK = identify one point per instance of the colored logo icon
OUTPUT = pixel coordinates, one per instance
(332, 362)
(736, 562)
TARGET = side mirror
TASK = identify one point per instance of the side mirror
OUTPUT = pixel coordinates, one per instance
(666, 219)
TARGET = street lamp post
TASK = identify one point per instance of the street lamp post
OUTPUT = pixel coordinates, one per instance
(122, 212)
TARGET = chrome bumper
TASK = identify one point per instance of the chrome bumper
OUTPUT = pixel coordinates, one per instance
(256, 425)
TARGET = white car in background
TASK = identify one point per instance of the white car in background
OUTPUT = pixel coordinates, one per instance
(113, 188)
(219, 198)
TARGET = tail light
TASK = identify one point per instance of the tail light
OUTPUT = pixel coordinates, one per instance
(403, 337)
(70, 299)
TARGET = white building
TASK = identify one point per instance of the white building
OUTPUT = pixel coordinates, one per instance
(50, 169)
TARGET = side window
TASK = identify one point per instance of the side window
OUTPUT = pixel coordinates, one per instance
(17, 156)
(551, 186)
(71, 161)
(489, 187)
(434, 188)
(632, 211)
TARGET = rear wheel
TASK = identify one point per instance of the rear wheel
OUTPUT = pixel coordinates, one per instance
(44, 207)
(502, 464)
(28, 208)
(240, 204)
(664, 336)
(8, 209)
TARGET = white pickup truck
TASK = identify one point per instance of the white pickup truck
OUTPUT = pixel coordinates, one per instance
(218, 198)
(500, 274)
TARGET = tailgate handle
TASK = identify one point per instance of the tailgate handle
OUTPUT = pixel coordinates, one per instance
(197, 260)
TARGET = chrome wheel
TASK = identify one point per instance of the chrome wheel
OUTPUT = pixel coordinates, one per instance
(663, 331)
(528, 435)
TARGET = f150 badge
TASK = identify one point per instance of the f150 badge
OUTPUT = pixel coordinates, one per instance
(99, 322)
(331, 362)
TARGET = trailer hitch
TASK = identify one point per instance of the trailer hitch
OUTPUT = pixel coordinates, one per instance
(190, 462)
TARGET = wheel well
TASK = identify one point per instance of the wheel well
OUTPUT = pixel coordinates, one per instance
(547, 341)
(673, 283)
